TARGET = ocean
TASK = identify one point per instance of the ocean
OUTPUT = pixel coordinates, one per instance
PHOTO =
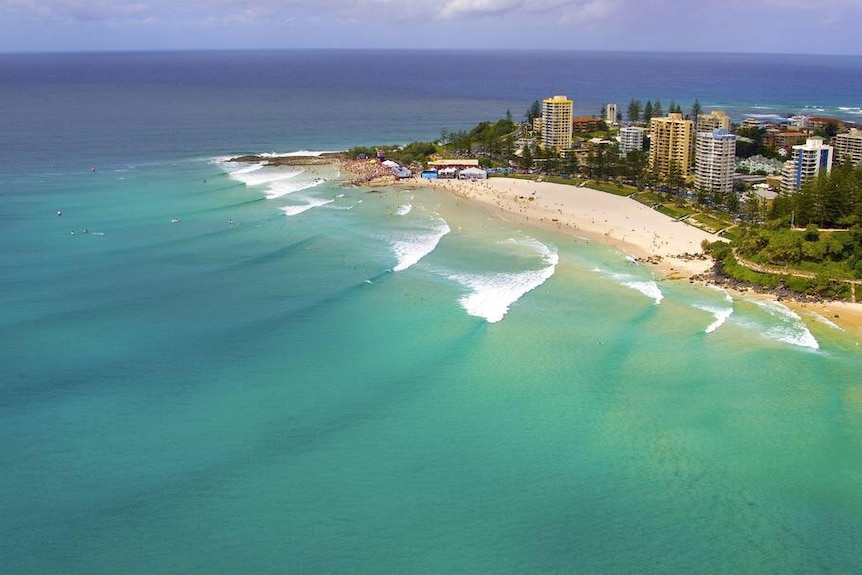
(218, 367)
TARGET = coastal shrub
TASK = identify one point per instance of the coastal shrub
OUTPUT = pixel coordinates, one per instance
(717, 249)
(735, 270)
(825, 285)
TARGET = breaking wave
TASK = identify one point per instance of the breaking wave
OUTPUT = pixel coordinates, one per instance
(300, 208)
(721, 315)
(274, 181)
(491, 295)
(787, 326)
(411, 248)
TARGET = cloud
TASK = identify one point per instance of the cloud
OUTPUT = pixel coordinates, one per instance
(457, 8)
(263, 11)
(757, 25)
(77, 10)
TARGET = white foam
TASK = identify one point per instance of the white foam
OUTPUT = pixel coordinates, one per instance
(244, 169)
(275, 181)
(727, 296)
(300, 208)
(312, 153)
(261, 175)
(721, 314)
(826, 321)
(766, 116)
(648, 288)
(492, 295)
(789, 327)
(410, 249)
(281, 188)
(405, 209)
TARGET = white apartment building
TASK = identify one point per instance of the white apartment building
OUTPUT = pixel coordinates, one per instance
(806, 162)
(715, 161)
(631, 139)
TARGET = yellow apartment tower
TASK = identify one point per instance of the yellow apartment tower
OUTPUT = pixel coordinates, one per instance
(714, 120)
(557, 123)
(671, 142)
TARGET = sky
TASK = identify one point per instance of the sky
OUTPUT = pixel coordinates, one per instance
(772, 26)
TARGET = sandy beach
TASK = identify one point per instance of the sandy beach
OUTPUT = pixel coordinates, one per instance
(673, 247)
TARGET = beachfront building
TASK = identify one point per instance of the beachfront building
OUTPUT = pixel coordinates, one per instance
(714, 164)
(821, 123)
(806, 162)
(631, 139)
(783, 139)
(716, 119)
(557, 122)
(611, 114)
(671, 144)
(586, 124)
(751, 123)
(849, 145)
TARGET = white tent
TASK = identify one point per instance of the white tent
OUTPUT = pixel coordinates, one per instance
(473, 174)
(390, 164)
(446, 173)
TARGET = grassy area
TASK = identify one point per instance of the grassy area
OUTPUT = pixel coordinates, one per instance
(550, 179)
(710, 223)
(616, 189)
(650, 198)
(671, 211)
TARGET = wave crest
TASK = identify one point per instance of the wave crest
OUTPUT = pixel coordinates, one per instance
(491, 295)
(412, 248)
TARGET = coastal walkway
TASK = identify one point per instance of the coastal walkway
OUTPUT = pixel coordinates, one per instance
(784, 271)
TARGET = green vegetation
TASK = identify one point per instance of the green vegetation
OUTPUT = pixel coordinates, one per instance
(750, 143)
(617, 189)
(831, 200)
(823, 284)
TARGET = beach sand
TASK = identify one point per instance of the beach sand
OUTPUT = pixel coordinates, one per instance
(672, 246)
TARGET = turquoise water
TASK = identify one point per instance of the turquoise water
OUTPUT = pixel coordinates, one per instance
(229, 368)
(243, 389)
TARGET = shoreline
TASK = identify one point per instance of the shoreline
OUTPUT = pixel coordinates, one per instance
(669, 247)
(648, 236)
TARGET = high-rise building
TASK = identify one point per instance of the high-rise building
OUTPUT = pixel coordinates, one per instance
(713, 120)
(714, 163)
(611, 113)
(806, 161)
(631, 139)
(557, 122)
(849, 144)
(671, 144)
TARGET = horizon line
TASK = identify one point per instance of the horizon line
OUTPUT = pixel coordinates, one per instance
(393, 49)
